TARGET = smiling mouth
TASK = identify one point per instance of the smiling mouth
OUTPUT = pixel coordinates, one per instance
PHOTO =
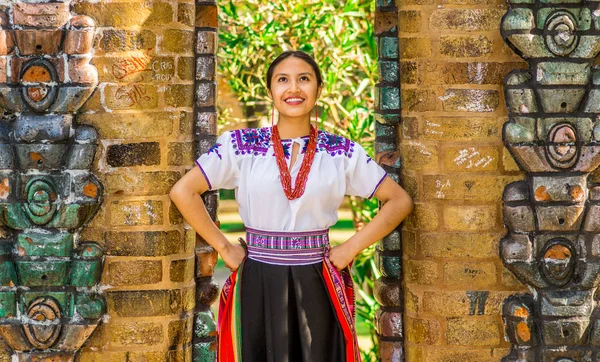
(294, 100)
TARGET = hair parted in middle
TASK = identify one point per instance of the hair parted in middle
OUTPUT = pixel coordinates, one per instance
(297, 54)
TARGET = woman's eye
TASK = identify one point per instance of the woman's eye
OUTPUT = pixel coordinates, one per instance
(305, 78)
(282, 79)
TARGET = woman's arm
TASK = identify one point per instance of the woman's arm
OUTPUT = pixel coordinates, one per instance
(397, 205)
(186, 196)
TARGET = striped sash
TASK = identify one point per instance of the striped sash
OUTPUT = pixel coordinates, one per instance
(287, 248)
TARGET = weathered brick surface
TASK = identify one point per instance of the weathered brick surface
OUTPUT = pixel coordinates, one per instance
(475, 275)
(457, 46)
(143, 243)
(453, 65)
(180, 331)
(125, 125)
(133, 213)
(143, 111)
(424, 331)
(472, 218)
(139, 183)
(473, 332)
(466, 19)
(134, 272)
(177, 41)
(136, 333)
(145, 303)
(182, 270)
(133, 154)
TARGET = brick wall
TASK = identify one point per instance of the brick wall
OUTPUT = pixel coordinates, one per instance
(143, 112)
(453, 62)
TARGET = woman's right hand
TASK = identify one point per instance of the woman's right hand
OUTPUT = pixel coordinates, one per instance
(233, 255)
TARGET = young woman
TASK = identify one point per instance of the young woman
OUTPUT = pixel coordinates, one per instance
(289, 297)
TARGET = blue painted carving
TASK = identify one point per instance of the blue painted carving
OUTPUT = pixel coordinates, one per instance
(49, 300)
(553, 216)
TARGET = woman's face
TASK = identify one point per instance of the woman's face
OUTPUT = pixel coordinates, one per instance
(294, 88)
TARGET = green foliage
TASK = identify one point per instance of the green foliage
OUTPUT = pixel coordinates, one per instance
(340, 36)
(364, 272)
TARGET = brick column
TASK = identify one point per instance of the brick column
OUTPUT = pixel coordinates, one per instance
(388, 288)
(143, 112)
(205, 135)
(453, 62)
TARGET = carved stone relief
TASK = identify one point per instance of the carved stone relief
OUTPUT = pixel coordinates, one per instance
(49, 300)
(553, 217)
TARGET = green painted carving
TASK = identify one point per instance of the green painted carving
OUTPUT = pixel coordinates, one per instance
(49, 302)
(553, 217)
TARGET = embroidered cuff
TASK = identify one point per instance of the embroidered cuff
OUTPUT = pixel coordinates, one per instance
(377, 186)
(205, 175)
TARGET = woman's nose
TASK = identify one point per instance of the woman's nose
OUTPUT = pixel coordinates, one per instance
(294, 85)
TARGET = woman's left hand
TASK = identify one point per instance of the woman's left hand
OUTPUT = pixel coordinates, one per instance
(341, 255)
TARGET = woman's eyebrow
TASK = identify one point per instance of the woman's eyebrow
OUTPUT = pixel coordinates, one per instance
(305, 73)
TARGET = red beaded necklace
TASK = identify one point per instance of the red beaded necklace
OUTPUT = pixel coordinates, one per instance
(284, 173)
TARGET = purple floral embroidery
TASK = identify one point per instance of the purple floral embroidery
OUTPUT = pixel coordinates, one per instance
(286, 149)
(215, 148)
(257, 142)
(251, 141)
(334, 144)
(369, 159)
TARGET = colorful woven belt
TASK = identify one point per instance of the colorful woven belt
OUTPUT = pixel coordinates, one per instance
(287, 248)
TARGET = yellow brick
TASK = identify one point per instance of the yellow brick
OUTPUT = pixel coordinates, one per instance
(409, 21)
(470, 217)
(474, 275)
(421, 272)
(415, 48)
(461, 128)
(419, 156)
(465, 46)
(126, 14)
(136, 333)
(470, 159)
(413, 353)
(459, 245)
(460, 304)
(134, 213)
(423, 217)
(134, 272)
(509, 163)
(478, 187)
(422, 331)
(473, 332)
(419, 100)
(453, 355)
(131, 96)
(466, 19)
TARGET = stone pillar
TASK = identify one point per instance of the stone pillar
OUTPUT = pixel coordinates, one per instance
(205, 135)
(50, 303)
(388, 288)
(552, 217)
(143, 112)
(454, 164)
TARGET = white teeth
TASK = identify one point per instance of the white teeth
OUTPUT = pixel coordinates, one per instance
(294, 100)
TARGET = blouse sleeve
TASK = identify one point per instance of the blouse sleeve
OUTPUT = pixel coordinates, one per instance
(219, 164)
(363, 174)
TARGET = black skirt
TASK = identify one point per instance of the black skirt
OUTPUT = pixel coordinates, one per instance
(287, 315)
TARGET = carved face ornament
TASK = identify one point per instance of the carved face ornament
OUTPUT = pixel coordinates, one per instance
(562, 147)
(558, 262)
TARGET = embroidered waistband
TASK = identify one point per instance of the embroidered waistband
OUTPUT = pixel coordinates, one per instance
(287, 248)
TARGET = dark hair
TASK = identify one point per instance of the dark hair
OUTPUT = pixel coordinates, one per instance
(297, 54)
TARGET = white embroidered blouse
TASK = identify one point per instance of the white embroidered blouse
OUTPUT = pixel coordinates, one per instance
(244, 160)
